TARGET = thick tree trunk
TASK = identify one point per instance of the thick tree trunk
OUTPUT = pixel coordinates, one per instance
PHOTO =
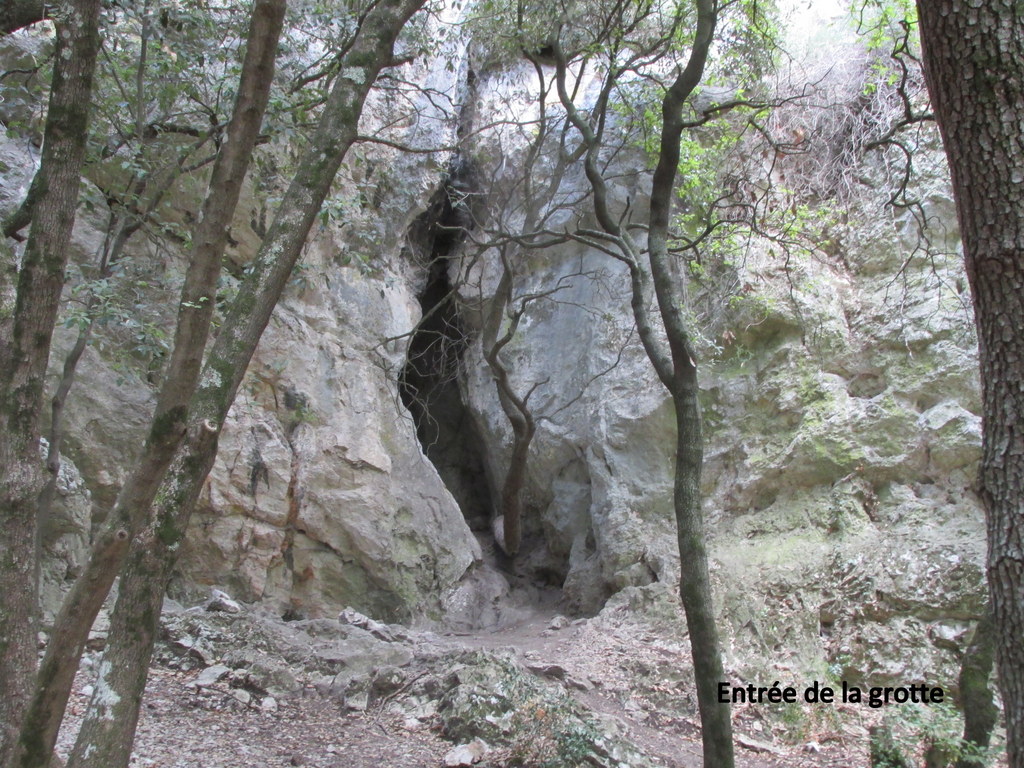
(15, 14)
(25, 337)
(167, 430)
(107, 732)
(974, 64)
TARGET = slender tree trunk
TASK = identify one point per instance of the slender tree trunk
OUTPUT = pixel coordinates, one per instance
(107, 732)
(512, 488)
(25, 337)
(695, 578)
(22, 215)
(675, 367)
(974, 65)
(167, 430)
(976, 700)
(515, 408)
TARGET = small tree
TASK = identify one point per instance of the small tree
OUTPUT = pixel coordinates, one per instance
(513, 220)
(631, 47)
(675, 365)
(52, 686)
(108, 730)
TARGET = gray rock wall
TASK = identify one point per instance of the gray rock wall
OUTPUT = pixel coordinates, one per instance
(841, 414)
(840, 403)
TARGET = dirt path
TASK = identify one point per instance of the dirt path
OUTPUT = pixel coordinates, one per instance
(628, 664)
(625, 671)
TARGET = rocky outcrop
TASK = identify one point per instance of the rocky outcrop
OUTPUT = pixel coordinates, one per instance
(840, 408)
(64, 538)
(321, 496)
(841, 416)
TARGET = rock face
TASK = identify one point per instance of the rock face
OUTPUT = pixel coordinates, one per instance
(841, 421)
(839, 397)
(321, 496)
(65, 538)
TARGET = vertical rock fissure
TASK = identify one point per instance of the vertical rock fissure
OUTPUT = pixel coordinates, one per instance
(429, 383)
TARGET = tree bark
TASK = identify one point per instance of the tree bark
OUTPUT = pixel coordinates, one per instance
(25, 337)
(675, 366)
(515, 408)
(974, 66)
(107, 732)
(167, 429)
(695, 578)
(976, 700)
(15, 14)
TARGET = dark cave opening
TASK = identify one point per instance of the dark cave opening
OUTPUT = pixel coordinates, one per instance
(429, 382)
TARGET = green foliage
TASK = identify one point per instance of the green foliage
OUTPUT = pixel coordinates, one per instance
(23, 86)
(881, 22)
(935, 731)
(122, 321)
(546, 730)
(166, 82)
(889, 31)
(749, 43)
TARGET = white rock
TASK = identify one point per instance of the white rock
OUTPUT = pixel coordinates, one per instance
(220, 601)
(209, 676)
(242, 695)
(466, 754)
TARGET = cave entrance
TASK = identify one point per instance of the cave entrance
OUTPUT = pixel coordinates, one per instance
(429, 382)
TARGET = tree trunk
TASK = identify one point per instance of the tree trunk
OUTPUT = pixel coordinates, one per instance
(15, 14)
(515, 408)
(695, 578)
(154, 553)
(167, 429)
(980, 711)
(512, 488)
(25, 337)
(675, 366)
(974, 65)
(108, 730)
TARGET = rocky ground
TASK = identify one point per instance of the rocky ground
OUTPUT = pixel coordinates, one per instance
(241, 687)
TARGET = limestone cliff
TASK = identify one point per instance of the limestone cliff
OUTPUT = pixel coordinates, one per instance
(839, 397)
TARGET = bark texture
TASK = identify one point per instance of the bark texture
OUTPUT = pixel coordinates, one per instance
(25, 337)
(515, 408)
(974, 65)
(695, 578)
(108, 730)
(976, 699)
(676, 366)
(167, 429)
(15, 14)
